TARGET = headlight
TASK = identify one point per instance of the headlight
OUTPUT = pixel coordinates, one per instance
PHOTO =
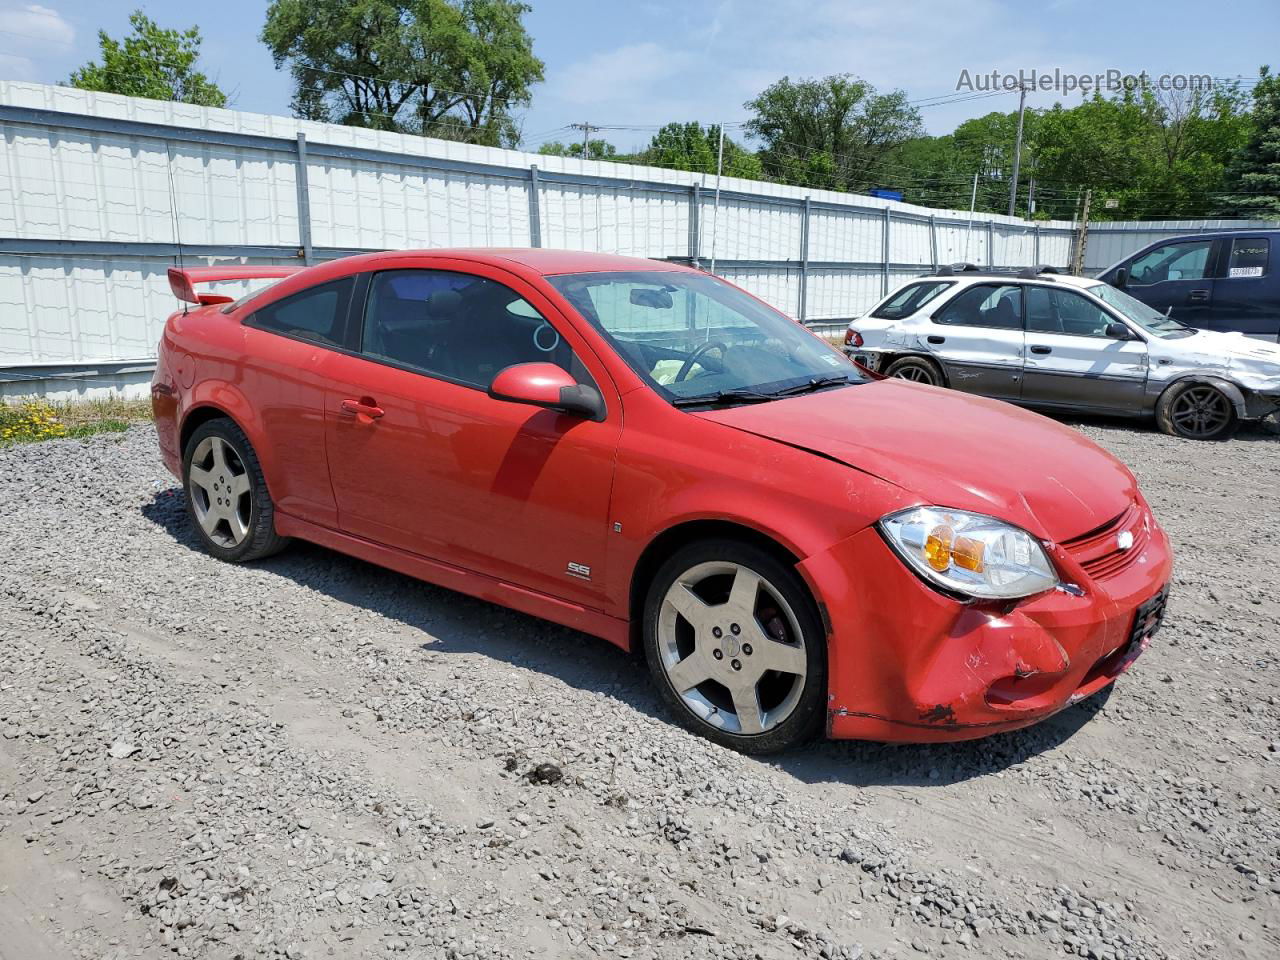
(968, 553)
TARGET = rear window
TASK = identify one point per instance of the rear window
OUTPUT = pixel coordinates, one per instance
(909, 299)
(1249, 257)
(317, 314)
(985, 305)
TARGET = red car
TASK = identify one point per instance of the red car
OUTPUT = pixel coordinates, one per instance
(646, 453)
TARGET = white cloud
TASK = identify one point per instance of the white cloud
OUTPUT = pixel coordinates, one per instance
(34, 30)
(34, 23)
(632, 72)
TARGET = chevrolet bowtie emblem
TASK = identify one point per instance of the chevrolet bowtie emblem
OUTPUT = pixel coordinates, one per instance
(1124, 540)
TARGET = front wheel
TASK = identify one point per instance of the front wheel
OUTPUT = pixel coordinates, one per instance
(736, 646)
(1196, 411)
(227, 498)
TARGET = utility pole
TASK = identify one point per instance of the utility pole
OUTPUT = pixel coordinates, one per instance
(1082, 237)
(973, 203)
(1017, 147)
(586, 129)
(715, 210)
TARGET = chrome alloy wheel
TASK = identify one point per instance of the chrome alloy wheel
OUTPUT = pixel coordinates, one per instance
(1201, 411)
(916, 374)
(732, 648)
(220, 491)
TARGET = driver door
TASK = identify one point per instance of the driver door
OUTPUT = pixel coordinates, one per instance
(1177, 278)
(424, 460)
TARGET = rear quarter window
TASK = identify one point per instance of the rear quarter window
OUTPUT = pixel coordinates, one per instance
(1249, 256)
(909, 299)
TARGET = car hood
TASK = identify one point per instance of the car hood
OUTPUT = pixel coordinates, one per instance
(955, 450)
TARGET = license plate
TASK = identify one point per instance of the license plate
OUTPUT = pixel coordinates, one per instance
(1146, 621)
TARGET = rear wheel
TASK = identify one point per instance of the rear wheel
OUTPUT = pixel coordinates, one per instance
(227, 496)
(915, 368)
(736, 647)
(1197, 411)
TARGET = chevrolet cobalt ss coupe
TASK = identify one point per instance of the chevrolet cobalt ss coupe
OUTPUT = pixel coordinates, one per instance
(646, 453)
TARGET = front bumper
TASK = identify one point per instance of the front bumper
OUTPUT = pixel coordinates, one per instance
(909, 664)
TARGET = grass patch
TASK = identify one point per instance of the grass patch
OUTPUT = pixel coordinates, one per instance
(30, 421)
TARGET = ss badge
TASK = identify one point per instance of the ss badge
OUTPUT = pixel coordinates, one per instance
(579, 570)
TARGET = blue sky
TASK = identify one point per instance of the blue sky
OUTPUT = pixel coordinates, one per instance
(641, 63)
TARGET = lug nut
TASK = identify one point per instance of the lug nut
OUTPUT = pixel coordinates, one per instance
(746, 648)
(735, 628)
(737, 664)
(717, 632)
(718, 654)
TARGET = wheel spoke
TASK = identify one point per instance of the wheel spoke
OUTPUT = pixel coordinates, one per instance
(200, 477)
(240, 485)
(745, 590)
(746, 704)
(219, 450)
(782, 657)
(689, 672)
(209, 520)
(689, 605)
(238, 527)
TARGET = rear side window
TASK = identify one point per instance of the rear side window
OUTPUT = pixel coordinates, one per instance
(985, 305)
(1249, 256)
(909, 299)
(318, 314)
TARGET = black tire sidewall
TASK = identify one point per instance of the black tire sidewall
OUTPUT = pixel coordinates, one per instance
(807, 718)
(1164, 412)
(262, 538)
(902, 362)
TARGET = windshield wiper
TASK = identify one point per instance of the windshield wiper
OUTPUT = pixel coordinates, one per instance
(812, 384)
(722, 398)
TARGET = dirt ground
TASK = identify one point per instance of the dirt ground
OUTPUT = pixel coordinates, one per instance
(314, 757)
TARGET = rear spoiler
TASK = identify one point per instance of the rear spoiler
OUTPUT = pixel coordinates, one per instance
(182, 280)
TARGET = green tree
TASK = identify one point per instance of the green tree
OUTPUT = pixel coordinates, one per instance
(596, 150)
(1254, 175)
(152, 62)
(691, 146)
(830, 133)
(443, 68)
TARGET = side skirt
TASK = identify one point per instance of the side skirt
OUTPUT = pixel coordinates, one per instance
(532, 602)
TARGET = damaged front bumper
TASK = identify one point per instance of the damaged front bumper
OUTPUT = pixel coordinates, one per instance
(909, 664)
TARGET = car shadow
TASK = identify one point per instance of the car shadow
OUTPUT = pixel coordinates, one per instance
(458, 624)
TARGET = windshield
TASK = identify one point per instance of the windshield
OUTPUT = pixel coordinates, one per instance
(1149, 319)
(695, 338)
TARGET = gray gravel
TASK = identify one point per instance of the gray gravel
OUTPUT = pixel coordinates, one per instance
(314, 757)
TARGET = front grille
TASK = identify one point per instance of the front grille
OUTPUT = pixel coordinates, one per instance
(1099, 551)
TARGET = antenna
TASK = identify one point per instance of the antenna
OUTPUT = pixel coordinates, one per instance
(173, 211)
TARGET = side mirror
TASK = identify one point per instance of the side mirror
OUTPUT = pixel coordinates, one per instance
(1122, 278)
(1118, 331)
(549, 386)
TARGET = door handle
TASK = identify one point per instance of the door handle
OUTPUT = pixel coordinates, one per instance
(366, 409)
(937, 339)
(1041, 349)
(1198, 296)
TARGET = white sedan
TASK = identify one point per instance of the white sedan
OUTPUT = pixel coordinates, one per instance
(1070, 343)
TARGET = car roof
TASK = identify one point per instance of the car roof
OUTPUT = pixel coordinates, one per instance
(542, 261)
(1048, 279)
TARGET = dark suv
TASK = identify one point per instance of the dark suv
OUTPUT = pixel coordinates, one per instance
(1212, 281)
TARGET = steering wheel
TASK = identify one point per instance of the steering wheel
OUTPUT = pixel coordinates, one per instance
(693, 357)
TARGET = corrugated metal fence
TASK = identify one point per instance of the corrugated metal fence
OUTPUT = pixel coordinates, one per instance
(97, 191)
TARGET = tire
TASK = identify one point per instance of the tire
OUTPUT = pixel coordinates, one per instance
(1196, 410)
(917, 369)
(226, 494)
(752, 680)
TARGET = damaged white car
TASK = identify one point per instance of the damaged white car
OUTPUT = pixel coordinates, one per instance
(1048, 340)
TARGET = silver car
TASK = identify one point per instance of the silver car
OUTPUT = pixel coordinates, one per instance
(1048, 340)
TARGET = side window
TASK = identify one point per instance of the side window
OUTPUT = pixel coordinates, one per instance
(909, 299)
(1249, 256)
(457, 326)
(1186, 260)
(318, 314)
(985, 305)
(1063, 311)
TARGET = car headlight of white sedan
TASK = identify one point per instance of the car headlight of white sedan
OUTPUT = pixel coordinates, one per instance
(968, 553)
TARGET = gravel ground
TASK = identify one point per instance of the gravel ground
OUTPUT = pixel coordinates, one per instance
(314, 757)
